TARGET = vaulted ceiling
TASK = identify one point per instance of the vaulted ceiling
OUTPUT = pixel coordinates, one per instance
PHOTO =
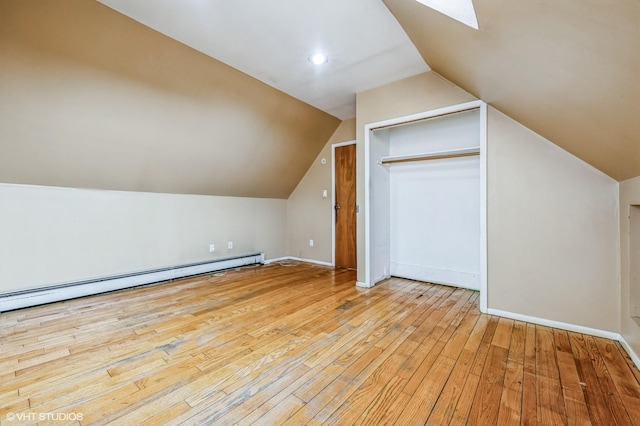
(272, 41)
(566, 69)
(92, 98)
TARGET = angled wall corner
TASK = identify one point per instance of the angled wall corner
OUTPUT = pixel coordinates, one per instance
(308, 213)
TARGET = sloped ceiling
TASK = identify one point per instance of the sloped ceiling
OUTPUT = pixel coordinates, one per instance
(272, 40)
(569, 70)
(90, 98)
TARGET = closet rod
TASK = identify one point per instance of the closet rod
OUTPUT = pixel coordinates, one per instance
(418, 120)
(431, 156)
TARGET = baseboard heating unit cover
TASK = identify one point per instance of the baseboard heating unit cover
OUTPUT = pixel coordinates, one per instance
(38, 296)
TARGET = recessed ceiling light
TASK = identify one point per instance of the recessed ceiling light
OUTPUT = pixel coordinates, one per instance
(318, 59)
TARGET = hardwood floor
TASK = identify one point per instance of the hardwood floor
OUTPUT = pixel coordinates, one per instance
(300, 344)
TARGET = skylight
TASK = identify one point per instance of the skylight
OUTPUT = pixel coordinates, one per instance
(460, 10)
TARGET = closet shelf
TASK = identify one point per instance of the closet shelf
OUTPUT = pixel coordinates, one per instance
(453, 153)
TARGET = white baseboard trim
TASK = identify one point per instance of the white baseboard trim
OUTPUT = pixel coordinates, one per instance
(627, 347)
(556, 324)
(56, 293)
(364, 285)
(277, 259)
(297, 259)
(570, 327)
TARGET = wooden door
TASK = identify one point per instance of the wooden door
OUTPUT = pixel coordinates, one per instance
(345, 207)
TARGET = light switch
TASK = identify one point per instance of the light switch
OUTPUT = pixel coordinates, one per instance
(324, 193)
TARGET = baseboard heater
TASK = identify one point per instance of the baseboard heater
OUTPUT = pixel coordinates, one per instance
(56, 293)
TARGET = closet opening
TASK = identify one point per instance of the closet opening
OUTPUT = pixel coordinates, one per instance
(425, 198)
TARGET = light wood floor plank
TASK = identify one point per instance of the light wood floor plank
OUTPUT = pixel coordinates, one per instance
(511, 399)
(616, 405)
(486, 404)
(529, 413)
(551, 408)
(595, 397)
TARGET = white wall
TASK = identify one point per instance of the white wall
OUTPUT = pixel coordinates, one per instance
(435, 205)
(54, 235)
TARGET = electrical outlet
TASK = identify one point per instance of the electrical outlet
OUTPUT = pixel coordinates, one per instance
(230, 245)
(310, 243)
(212, 248)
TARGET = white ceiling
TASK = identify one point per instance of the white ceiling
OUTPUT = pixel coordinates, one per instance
(271, 41)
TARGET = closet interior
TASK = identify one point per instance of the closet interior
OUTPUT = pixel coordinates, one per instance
(426, 200)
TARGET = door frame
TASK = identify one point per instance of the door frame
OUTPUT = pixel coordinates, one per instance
(333, 198)
(368, 128)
